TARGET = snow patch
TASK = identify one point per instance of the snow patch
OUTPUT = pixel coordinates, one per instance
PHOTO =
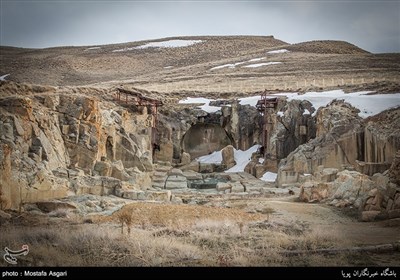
(169, 44)
(229, 65)
(215, 157)
(200, 100)
(252, 100)
(278, 51)
(168, 67)
(261, 64)
(242, 158)
(306, 112)
(261, 160)
(368, 105)
(124, 50)
(256, 59)
(92, 48)
(269, 177)
(233, 65)
(3, 78)
(280, 114)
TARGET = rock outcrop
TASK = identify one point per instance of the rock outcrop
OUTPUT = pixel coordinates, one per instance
(381, 142)
(186, 130)
(62, 143)
(342, 189)
(337, 144)
(324, 168)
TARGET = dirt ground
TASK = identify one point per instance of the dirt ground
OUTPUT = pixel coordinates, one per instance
(227, 230)
(312, 65)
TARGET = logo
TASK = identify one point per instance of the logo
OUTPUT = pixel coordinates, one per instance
(10, 255)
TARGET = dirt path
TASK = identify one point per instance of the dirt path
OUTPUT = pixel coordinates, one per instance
(318, 215)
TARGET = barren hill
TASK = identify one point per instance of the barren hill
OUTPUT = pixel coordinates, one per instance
(327, 47)
(205, 63)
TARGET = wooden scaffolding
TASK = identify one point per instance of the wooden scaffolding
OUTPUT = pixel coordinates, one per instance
(266, 106)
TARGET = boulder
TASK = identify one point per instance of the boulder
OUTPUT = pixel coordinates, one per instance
(369, 216)
(185, 158)
(315, 191)
(237, 187)
(327, 175)
(49, 206)
(353, 186)
(228, 156)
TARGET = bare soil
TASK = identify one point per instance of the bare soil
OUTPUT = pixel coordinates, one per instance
(312, 65)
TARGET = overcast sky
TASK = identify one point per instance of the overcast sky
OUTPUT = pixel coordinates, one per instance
(371, 25)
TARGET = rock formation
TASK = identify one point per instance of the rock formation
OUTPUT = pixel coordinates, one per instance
(63, 143)
(337, 144)
(185, 129)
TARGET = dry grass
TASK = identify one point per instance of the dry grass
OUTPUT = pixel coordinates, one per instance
(204, 242)
(152, 214)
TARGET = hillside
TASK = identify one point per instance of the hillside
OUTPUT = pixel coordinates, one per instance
(165, 153)
(209, 64)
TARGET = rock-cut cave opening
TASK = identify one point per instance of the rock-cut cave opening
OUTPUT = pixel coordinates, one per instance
(203, 139)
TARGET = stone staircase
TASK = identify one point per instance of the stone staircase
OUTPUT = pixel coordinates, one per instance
(164, 176)
(160, 174)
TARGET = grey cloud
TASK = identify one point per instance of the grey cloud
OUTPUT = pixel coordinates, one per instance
(372, 25)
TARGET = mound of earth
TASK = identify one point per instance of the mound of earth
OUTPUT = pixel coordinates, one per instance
(327, 47)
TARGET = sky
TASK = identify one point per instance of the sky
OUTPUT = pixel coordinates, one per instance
(371, 25)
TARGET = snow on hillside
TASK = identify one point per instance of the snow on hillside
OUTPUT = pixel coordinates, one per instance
(169, 44)
(278, 51)
(124, 50)
(261, 64)
(3, 78)
(233, 65)
(229, 65)
(256, 59)
(200, 100)
(368, 105)
(92, 48)
(162, 44)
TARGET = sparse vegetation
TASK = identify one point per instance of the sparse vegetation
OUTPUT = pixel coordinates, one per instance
(205, 242)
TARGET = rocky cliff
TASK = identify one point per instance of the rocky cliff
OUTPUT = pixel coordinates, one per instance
(343, 164)
(185, 129)
(57, 142)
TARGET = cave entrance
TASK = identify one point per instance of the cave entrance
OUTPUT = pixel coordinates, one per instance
(203, 139)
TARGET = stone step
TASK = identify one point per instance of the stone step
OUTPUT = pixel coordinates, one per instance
(176, 185)
(158, 184)
(176, 178)
(159, 174)
(160, 179)
(162, 168)
(163, 163)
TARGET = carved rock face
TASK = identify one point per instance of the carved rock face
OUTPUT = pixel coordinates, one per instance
(52, 142)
